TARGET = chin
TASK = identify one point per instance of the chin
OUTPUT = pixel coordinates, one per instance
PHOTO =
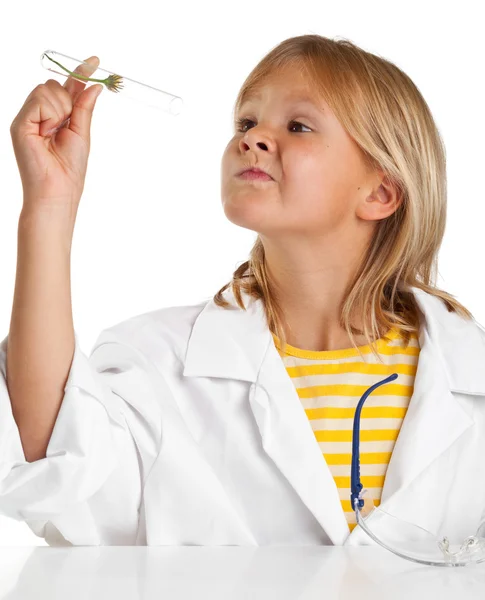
(248, 208)
(242, 217)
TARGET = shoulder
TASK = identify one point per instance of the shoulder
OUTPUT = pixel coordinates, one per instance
(159, 334)
(481, 331)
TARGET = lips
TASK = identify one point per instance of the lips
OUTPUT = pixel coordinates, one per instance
(254, 171)
(255, 176)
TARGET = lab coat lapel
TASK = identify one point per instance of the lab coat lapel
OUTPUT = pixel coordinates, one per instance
(451, 359)
(236, 344)
(287, 437)
(435, 419)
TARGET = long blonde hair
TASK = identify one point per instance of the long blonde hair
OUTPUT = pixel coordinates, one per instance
(383, 111)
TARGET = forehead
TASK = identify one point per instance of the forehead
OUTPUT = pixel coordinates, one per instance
(291, 96)
(287, 87)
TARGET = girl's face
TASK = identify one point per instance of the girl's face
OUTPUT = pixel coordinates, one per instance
(318, 170)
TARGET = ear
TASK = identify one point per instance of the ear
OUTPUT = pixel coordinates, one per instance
(381, 202)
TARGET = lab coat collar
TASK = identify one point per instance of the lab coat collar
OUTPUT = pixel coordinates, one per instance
(237, 344)
(239, 341)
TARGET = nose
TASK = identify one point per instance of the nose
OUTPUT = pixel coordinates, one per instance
(255, 140)
(246, 146)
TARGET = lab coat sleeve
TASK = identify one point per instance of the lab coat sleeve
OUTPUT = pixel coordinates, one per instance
(87, 490)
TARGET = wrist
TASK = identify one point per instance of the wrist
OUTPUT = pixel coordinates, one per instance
(60, 213)
(46, 225)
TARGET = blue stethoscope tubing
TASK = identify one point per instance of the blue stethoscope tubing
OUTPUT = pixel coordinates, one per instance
(355, 483)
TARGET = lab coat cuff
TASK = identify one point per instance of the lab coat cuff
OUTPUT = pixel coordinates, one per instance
(80, 455)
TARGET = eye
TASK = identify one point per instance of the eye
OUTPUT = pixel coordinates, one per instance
(240, 123)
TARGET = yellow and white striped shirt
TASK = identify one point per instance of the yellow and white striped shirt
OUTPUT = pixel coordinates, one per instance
(330, 384)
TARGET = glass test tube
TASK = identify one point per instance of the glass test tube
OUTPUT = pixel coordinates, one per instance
(141, 92)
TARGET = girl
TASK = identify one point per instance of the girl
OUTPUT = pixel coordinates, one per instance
(230, 422)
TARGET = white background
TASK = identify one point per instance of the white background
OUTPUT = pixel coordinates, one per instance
(150, 230)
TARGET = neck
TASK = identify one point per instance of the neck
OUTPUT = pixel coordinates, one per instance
(310, 290)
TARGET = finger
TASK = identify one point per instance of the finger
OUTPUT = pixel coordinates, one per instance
(74, 86)
(82, 111)
(60, 102)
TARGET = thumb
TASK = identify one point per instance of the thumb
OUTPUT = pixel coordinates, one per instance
(82, 111)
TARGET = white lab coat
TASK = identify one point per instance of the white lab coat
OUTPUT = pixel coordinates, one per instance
(184, 428)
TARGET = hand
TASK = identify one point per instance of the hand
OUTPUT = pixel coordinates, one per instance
(51, 140)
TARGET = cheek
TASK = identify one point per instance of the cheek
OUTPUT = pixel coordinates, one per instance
(308, 176)
(315, 191)
(229, 159)
(304, 159)
(224, 157)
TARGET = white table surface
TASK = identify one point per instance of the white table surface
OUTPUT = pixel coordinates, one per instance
(228, 573)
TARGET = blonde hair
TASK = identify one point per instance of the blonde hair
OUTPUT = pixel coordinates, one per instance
(383, 111)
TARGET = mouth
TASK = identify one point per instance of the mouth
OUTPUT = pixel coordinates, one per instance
(254, 174)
